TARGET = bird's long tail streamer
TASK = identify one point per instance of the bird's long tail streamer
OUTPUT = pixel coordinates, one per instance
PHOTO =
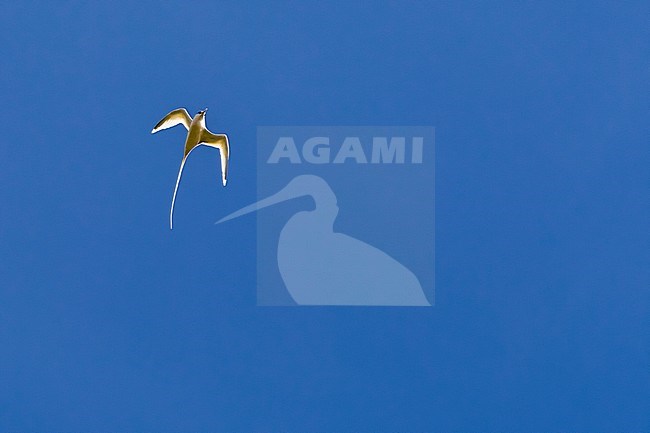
(178, 181)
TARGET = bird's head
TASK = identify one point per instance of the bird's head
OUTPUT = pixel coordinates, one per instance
(202, 112)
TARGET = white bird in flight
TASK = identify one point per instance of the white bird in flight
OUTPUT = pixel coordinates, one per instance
(197, 134)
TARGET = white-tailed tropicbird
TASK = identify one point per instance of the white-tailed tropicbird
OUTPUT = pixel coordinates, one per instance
(197, 134)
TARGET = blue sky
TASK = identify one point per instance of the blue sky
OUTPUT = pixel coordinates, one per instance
(110, 322)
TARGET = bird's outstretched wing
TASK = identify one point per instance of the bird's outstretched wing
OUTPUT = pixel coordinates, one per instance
(172, 119)
(220, 141)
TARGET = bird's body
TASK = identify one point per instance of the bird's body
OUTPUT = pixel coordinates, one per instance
(322, 267)
(197, 134)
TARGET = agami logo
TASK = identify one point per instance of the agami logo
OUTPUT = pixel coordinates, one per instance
(317, 150)
(345, 216)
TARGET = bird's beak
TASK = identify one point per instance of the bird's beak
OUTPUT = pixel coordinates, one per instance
(205, 110)
(286, 193)
(299, 186)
